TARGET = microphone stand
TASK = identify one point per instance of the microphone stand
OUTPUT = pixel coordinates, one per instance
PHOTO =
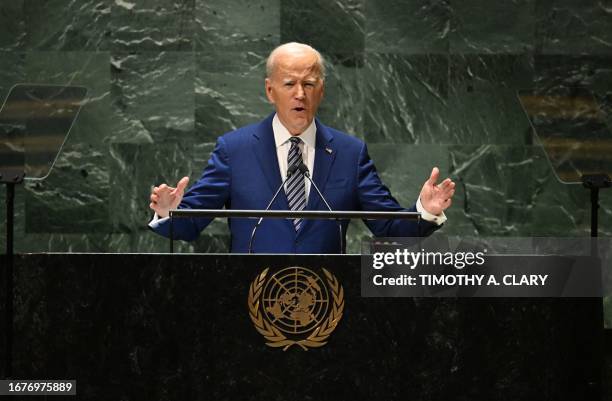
(290, 172)
(304, 170)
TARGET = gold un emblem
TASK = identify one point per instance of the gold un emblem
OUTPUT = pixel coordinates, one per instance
(295, 306)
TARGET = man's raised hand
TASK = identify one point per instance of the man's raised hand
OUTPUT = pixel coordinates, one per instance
(436, 198)
(164, 198)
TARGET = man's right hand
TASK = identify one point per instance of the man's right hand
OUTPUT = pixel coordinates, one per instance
(164, 198)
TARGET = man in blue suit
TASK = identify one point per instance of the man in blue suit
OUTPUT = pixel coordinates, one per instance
(250, 163)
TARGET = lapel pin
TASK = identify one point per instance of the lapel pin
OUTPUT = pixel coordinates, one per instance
(328, 150)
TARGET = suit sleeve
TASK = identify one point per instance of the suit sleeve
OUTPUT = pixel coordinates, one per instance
(211, 191)
(375, 196)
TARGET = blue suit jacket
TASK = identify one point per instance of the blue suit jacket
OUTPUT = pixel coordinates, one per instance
(243, 173)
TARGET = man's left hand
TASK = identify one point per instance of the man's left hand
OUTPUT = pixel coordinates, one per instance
(436, 198)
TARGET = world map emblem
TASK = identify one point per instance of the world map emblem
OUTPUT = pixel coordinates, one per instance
(295, 306)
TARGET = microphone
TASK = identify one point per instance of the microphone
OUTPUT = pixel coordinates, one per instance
(290, 172)
(304, 170)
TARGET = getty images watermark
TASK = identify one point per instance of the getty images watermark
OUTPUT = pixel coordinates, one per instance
(441, 266)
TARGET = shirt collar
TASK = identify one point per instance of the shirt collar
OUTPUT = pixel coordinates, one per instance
(282, 135)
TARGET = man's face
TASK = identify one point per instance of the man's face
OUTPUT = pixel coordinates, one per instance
(296, 89)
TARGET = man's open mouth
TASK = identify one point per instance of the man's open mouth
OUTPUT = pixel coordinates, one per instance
(298, 109)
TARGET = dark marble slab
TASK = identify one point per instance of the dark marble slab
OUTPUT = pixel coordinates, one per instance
(152, 25)
(12, 26)
(335, 28)
(569, 27)
(343, 105)
(559, 72)
(476, 117)
(165, 327)
(127, 171)
(483, 107)
(229, 92)
(482, 27)
(67, 25)
(558, 205)
(244, 25)
(155, 91)
(406, 98)
(12, 70)
(489, 72)
(495, 189)
(407, 27)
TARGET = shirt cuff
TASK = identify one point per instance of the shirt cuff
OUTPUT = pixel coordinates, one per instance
(157, 220)
(432, 218)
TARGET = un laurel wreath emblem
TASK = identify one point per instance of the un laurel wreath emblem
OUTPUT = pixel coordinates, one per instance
(295, 306)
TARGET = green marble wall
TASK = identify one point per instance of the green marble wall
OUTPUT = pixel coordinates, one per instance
(425, 82)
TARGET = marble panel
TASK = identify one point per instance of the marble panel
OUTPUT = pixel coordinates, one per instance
(407, 26)
(34, 242)
(67, 25)
(495, 189)
(153, 25)
(331, 27)
(559, 72)
(132, 169)
(570, 27)
(488, 72)
(405, 98)
(65, 242)
(12, 26)
(483, 106)
(605, 215)
(153, 95)
(74, 197)
(243, 25)
(343, 103)
(140, 241)
(229, 92)
(564, 210)
(12, 71)
(484, 27)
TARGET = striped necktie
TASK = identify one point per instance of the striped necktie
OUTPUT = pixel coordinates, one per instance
(295, 187)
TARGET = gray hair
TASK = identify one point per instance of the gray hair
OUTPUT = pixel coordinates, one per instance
(271, 61)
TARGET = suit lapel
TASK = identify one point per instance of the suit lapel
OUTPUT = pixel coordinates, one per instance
(265, 150)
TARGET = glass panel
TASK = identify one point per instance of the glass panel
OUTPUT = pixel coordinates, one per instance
(572, 129)
(34, 123)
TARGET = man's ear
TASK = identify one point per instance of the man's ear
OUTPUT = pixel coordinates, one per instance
(268, 84)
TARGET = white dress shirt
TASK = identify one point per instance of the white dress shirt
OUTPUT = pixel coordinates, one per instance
(283, 144)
